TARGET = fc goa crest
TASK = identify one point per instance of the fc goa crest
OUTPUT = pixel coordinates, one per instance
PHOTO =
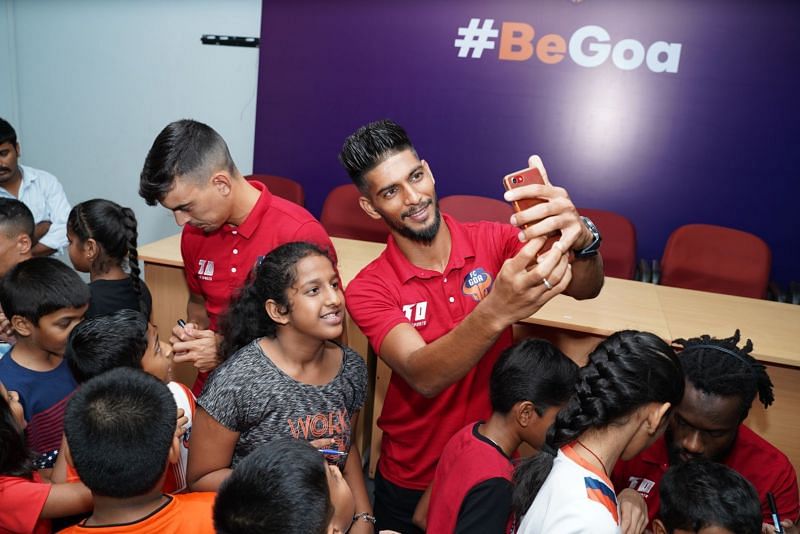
(477, 284)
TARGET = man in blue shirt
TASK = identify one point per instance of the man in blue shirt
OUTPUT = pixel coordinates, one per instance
(39, 190)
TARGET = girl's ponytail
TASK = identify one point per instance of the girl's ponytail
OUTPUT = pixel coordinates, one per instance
(131, 237)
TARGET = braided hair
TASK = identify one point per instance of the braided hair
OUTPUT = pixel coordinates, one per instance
(720, 367)
(627, 370)
(114, 229)
(245, 319)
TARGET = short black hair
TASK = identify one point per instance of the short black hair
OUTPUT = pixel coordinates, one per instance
(40, 286)
(106, 342)
(184, 148)
(370, 146)
(720, 367)
(701, 493)
(532, 370)
(281, 487)
(7, 132)
(16, 218)
(120, 426)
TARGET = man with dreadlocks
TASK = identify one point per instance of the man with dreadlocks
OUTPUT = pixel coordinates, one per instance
(722, 381)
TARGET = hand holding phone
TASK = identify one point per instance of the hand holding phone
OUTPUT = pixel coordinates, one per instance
(531, 175)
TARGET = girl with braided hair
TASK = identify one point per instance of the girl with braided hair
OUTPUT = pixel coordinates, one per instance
(102, 242)
(620, 405)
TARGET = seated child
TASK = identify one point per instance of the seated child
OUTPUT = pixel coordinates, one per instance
(471, 490)
(125, 339)
(16, 242)
(704, 497)
(44, 300)
(27, 501)
(284, 487)
(121, 432)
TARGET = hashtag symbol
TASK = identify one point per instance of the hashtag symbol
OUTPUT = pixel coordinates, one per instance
(476, 38)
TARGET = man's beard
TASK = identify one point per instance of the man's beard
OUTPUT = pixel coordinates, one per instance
(424, 236)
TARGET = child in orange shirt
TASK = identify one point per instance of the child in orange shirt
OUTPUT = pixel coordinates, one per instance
(121, 430)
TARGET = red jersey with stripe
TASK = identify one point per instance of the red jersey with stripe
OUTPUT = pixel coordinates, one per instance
(468, 460)
(217, 264)
(391, 291)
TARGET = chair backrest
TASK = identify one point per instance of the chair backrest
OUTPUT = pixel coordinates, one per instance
(619, 242)
(717, 259)
(343, 217)
(470, 208)
(283, 187)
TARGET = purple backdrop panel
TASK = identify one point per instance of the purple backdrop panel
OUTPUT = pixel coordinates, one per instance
(668, 112)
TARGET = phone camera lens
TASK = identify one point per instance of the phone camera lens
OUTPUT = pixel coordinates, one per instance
(514, 180)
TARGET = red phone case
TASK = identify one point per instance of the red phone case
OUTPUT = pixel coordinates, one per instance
(528, 176)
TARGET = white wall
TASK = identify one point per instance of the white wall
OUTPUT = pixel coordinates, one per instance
(8, 64)
(96, 80)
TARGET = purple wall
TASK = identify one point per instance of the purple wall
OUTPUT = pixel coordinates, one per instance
(713, 142)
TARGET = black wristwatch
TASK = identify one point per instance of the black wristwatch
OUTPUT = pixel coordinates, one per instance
(592, 248)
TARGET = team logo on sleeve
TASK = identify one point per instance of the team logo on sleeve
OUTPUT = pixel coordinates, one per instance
(477, 284)
(206, 270)
(416, 313)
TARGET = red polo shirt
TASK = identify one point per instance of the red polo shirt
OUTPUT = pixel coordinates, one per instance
(216, 264)
(390, 291)
(764, 466)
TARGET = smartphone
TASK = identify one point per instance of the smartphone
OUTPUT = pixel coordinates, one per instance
(531, 175)
(528, 176)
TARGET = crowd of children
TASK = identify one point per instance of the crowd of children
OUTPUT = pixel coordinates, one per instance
(95, 436)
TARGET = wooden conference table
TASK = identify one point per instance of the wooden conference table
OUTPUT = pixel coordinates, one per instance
(575, 326)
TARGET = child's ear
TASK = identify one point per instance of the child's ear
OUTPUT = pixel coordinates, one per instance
(276, 313)
(658, 527)
(24, 244)
(91, 249)
(22, 326)
(657, 417)
(524, 413)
